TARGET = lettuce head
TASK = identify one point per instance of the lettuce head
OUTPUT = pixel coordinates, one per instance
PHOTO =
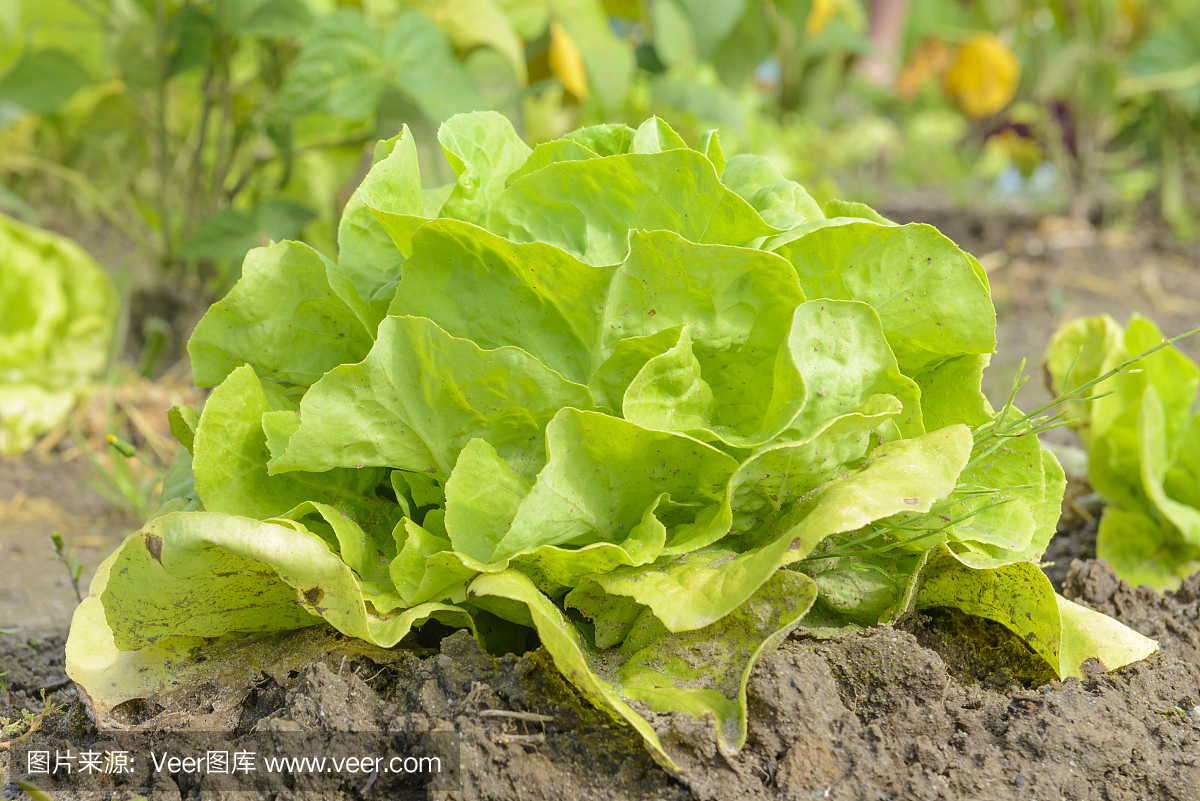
(648, 401)
(57, 313)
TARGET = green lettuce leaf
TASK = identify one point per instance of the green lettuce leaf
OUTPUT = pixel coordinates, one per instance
(419, 397)
(283, 318)
(587, 208)
(932, 301)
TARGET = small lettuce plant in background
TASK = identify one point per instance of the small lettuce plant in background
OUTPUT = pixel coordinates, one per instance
(1142, 433)
(648, 401)
(58, 310)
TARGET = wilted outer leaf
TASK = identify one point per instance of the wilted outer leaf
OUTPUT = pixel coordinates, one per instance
(569, 651)
(706, 671)
(1020, 597)
(202, 566)
(983, 75)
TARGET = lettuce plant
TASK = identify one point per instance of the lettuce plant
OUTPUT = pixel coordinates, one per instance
(57, 312)
(1143, 440)
(653, 403)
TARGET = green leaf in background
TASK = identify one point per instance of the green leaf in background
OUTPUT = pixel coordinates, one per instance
(1143, 441)
(194, 35)
(712, 22)
(231, 233)
(338, 71)
(426, 69)
(1144, 551)
(674, 39)
(475, 23)
(273, 19)
(43, 81)
(1152, 441)
(529, 18)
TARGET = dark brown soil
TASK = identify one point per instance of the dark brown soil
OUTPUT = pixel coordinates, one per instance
(941, 710)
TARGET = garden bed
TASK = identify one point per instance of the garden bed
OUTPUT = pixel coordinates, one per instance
(943, 706)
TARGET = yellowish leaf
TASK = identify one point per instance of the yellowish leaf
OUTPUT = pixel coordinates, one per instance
(983, 75)
(819, 15)
(566, 62)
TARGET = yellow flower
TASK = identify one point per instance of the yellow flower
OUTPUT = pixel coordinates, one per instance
(983, 75)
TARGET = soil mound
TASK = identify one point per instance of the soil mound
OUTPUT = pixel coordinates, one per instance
(943, 707)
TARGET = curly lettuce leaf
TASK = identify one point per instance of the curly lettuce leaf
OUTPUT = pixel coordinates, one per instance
(283, 317)
(587, 208)
(933, 302)
(419, 396)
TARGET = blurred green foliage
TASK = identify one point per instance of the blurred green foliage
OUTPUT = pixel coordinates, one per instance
(199, 129)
